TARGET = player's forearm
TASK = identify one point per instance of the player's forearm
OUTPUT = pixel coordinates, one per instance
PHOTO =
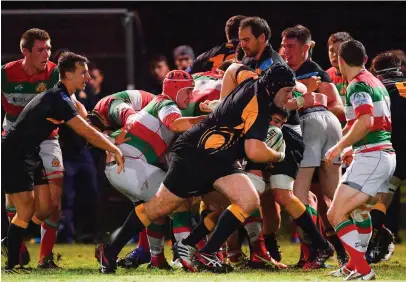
(183, 124)
(359, 130)
(99, 140)
(259, 152)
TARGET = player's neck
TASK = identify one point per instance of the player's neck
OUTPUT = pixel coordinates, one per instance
(354, 71)
(71, 89)
(29, 68)
(259, 54)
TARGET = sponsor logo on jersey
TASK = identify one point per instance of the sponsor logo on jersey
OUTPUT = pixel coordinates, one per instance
(18, 87)
(56, 162)
(41, 87)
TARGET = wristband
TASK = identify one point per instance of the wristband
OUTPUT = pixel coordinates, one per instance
(282, 157)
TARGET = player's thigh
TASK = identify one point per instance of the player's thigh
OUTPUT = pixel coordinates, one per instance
(43, 202)
(24, 203)
(313, 137)
(332, 134)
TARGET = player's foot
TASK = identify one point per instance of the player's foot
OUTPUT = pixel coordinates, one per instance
(264, 261)
(210, 262)
(321, 256)
(237, 260)
(381, 247)
(135, 258)
(107, 264)
(271, 242)
(185, 254)
(159, 262)
(341, 272)
(4, 250)
(48, 262)
(342, 259)
(355, 275)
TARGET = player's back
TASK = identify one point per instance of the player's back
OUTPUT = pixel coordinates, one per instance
(19, 88)
(211, 59)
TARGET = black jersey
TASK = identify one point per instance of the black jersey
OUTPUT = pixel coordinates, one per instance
(210, 60)
(309, 67)
(38, 119)
(243, 114)
(396, 86)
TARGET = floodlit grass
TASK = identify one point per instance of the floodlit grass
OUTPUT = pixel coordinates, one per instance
(79, 264)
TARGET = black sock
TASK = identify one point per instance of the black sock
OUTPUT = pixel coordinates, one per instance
(33, 229)
(14, 240)
(305, 222)
(197, 234)
(378, 219)
(338, 246)
(269, 240)
(226, 225)
(131, 226)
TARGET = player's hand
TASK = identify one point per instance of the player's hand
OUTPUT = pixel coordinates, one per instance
(291, 104)
(312, 83)
(333, 154)
(206, 106)
(118, 156)
(120, 139)
(347, 156)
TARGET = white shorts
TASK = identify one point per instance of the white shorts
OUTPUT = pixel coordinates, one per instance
(370, 172)
(281, 181)
(321, 131)
(139, 181)
(258, 182)
(51, 156)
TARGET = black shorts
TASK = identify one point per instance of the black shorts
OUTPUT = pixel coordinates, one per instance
(21, 173)
(192, 174)
(400, 149)
(293, 154)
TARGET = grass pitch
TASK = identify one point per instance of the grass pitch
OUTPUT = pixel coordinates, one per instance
(79, 264)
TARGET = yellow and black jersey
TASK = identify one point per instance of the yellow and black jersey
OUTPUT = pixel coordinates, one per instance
(243, 114)
(210, 60)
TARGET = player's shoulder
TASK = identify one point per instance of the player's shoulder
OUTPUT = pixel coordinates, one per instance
(331, 71)
(12, 68)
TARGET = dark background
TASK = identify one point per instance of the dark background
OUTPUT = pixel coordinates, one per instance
(165, 25)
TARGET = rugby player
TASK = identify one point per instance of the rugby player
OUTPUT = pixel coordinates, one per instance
(368, 130)
(22, 80)
(24, 171)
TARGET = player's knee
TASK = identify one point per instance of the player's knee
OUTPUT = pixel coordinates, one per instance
(283, 197)
(333, 216)
(44, 210)
(250, 203)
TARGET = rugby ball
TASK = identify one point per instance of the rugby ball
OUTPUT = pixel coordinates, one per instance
(274, 138)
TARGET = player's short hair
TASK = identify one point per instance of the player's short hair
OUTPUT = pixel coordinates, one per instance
(278, 111)
(232, 26)
(353, 53)
(339, 37)
(300, 32)
(258, 26)
(385, 62)
(67, 62)
(28, 38)
(224, 65)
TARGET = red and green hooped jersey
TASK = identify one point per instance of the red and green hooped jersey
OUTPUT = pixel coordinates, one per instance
(341, 84)
(150, 134)
(116, 108)
(207, 87)
(19, 88)
(367, 95)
